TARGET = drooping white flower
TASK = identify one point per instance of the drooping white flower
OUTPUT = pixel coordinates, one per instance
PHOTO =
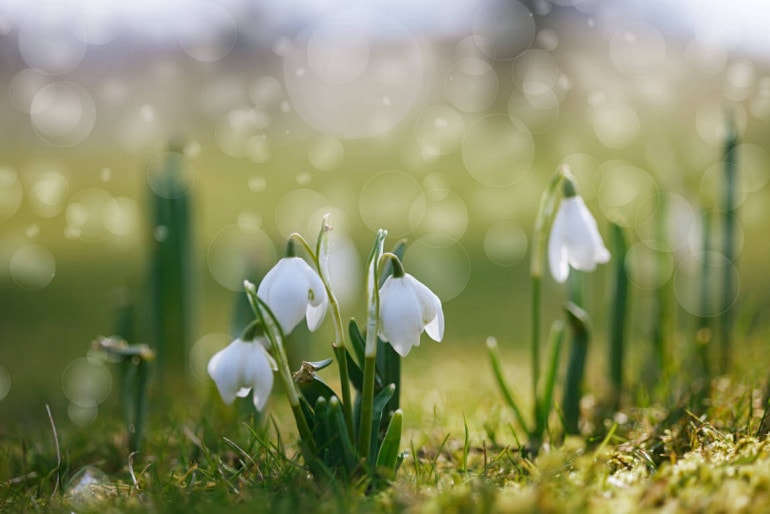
(407, 307)
(241, 367)
(293, 290)
(574, 240)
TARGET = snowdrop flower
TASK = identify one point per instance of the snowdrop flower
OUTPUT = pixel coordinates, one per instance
(407, 307)
(293, 290)
(241, 367)
(575, 239)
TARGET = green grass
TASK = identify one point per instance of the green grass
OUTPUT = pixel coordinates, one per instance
(201, 456)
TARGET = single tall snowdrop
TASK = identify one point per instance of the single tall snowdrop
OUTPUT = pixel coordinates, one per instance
(575, 239)
(241, 367)
(407, 308)
(293, 290)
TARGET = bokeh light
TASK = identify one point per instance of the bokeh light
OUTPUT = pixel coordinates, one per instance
(386, 201)
(503, 30)
(33, 267)
(648, 267)
(505, 243)
(62, 113)
(89, 213)
(638, 49)
(498, 152)
(52, 43)
(471, 85)
(441, 263)
(239, 252)
(170, 175)
(439, 129)
(203, 350)
(86, 382)
(688, 285)
(48, 193)
(208, 32)
(622, 190)
(10, 193)
(345, 84)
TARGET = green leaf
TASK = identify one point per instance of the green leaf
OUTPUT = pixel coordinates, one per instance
(578, 320)
(389, 370)
(313, 388)
(344, 452)
(355, 373)
(387, 457)
(322, 428)
(555, 342)
(497, 370)
(357, 341)
(378, 407)
(387, 270)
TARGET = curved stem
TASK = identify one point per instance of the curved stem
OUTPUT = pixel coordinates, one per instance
(321, 260)
(275, 336)
(542, 224)
(370, 351)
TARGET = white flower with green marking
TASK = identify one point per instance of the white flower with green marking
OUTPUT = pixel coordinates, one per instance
(407, 307)
(293, 290)
(241, 367)
(575, 239)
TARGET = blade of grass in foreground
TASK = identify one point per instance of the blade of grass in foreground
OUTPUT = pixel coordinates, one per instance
(618, 309)
(573, 383)
(728, 223)
(170, 268)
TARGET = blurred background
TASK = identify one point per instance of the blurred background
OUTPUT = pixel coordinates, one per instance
(439, 121)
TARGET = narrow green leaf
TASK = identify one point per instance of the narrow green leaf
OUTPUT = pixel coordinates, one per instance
(555, 343)
(618, 308)
(387, 457)
(578, 321)
(389, 371)
(466, 445)
(378, 407)
(497, 370)
(322, 428)
(313, 388)
(355, 373)
(344, 451)
(357, 341)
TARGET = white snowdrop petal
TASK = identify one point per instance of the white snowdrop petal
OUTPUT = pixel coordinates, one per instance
(432, 313)
(574, 240)
(240, 368)
(293, 290)
(400, 315)
(262, 378)
(557, 254)
(226, 370)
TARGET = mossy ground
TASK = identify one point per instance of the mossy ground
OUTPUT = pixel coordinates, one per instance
(462, 456)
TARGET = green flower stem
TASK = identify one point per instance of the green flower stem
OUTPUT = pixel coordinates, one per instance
(367, 408)
(321, 259)
(275, 336)
(370, 350)
(542, 223)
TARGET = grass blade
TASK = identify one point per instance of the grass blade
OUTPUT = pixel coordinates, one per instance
(494, 357)
(578, 321)
(618, 311)
(387, 457)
